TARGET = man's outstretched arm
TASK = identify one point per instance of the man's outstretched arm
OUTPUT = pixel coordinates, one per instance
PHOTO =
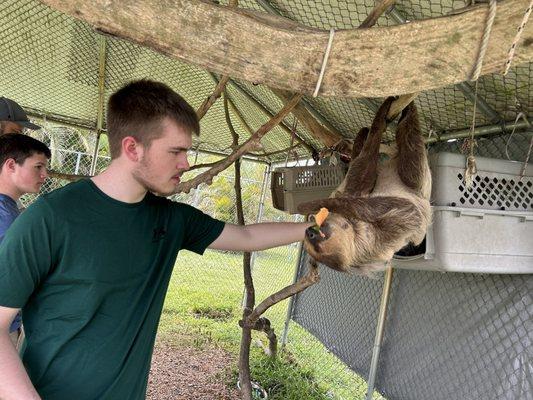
(259, 236)
(14, 381)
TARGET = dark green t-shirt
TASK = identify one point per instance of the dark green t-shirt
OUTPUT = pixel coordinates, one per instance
(90, 274)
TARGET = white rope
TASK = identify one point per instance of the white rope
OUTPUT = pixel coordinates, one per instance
(517, 38)
(518, 116)
(484, 41)
(471, 168)
(523, 171)
(324, 62)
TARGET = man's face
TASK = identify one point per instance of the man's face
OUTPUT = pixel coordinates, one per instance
(30, 176)
(164, 161)
(11, 127)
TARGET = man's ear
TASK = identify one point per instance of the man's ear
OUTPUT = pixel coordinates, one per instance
(132, 149)
(9, 165)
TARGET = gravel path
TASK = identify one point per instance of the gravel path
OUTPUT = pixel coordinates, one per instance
(189, 373)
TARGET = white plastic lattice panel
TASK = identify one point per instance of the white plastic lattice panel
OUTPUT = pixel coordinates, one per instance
(496, 186)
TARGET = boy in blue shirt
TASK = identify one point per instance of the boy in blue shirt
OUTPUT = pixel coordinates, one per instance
(23, 162)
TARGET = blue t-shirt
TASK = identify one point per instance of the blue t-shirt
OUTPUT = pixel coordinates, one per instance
(8, 212)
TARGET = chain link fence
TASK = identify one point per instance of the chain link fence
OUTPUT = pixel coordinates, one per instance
(51, 68)
(447, 336)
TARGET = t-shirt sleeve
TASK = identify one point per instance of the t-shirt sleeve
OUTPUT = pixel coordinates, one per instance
(200, 229)
(26, 254)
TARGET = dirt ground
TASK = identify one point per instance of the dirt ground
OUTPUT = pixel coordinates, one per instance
(189, 373)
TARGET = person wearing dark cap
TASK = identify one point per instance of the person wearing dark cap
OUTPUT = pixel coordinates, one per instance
(13, 118)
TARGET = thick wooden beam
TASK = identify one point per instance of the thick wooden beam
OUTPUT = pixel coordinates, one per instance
(263, 48)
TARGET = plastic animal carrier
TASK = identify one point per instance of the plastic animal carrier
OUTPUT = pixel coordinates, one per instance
(487, 228)
(291, 186)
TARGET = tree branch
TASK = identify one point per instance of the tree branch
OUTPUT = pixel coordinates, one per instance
(377, 11)
(207, 176)
(206, 105)
(317, 130)
(303, 283)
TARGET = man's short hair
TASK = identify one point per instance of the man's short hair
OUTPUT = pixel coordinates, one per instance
(138, 109)
(19, 147)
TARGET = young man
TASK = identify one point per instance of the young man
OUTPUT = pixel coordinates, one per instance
(23, 163)
(90, 263)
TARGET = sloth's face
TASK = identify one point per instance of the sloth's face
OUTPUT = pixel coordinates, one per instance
(343, 242)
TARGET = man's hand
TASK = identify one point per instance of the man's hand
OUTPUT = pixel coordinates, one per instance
(14, 381)
(259, 236)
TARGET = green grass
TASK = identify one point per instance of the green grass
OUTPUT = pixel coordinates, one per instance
(203, 307)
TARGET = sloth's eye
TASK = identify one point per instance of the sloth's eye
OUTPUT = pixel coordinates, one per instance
(345, 225)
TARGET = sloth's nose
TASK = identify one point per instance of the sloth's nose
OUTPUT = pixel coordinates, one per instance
(313, 234)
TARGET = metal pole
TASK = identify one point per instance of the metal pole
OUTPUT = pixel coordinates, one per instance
(483, 130)
(257, 220)
(101, 99)
(290, 308)
(77, 168)
(379, 332)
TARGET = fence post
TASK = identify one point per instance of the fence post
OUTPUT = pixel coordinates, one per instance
(261, 205)
(290, 308)
(102, 50)
(257, 220)
(379, 332)
(78, 159)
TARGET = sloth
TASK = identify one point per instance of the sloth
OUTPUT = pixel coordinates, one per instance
(381, 206)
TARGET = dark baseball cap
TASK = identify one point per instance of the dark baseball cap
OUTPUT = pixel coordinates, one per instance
(11, 111)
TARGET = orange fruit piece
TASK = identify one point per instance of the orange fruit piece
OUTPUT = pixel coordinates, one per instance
(321, 216)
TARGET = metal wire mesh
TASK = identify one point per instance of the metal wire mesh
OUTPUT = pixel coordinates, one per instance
(447, 336)
(61, 56)
(51, 68)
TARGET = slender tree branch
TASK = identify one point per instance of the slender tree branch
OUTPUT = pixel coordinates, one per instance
(303, 283)
(377, 11)
(207, 176)
(276, 152)
(199, 166)
(270, 115)
(317, 130)
(244, 357)
(234, 133)
(206, 105)
(264, 325)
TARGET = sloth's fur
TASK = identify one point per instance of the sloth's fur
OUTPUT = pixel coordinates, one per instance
(381, 206)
